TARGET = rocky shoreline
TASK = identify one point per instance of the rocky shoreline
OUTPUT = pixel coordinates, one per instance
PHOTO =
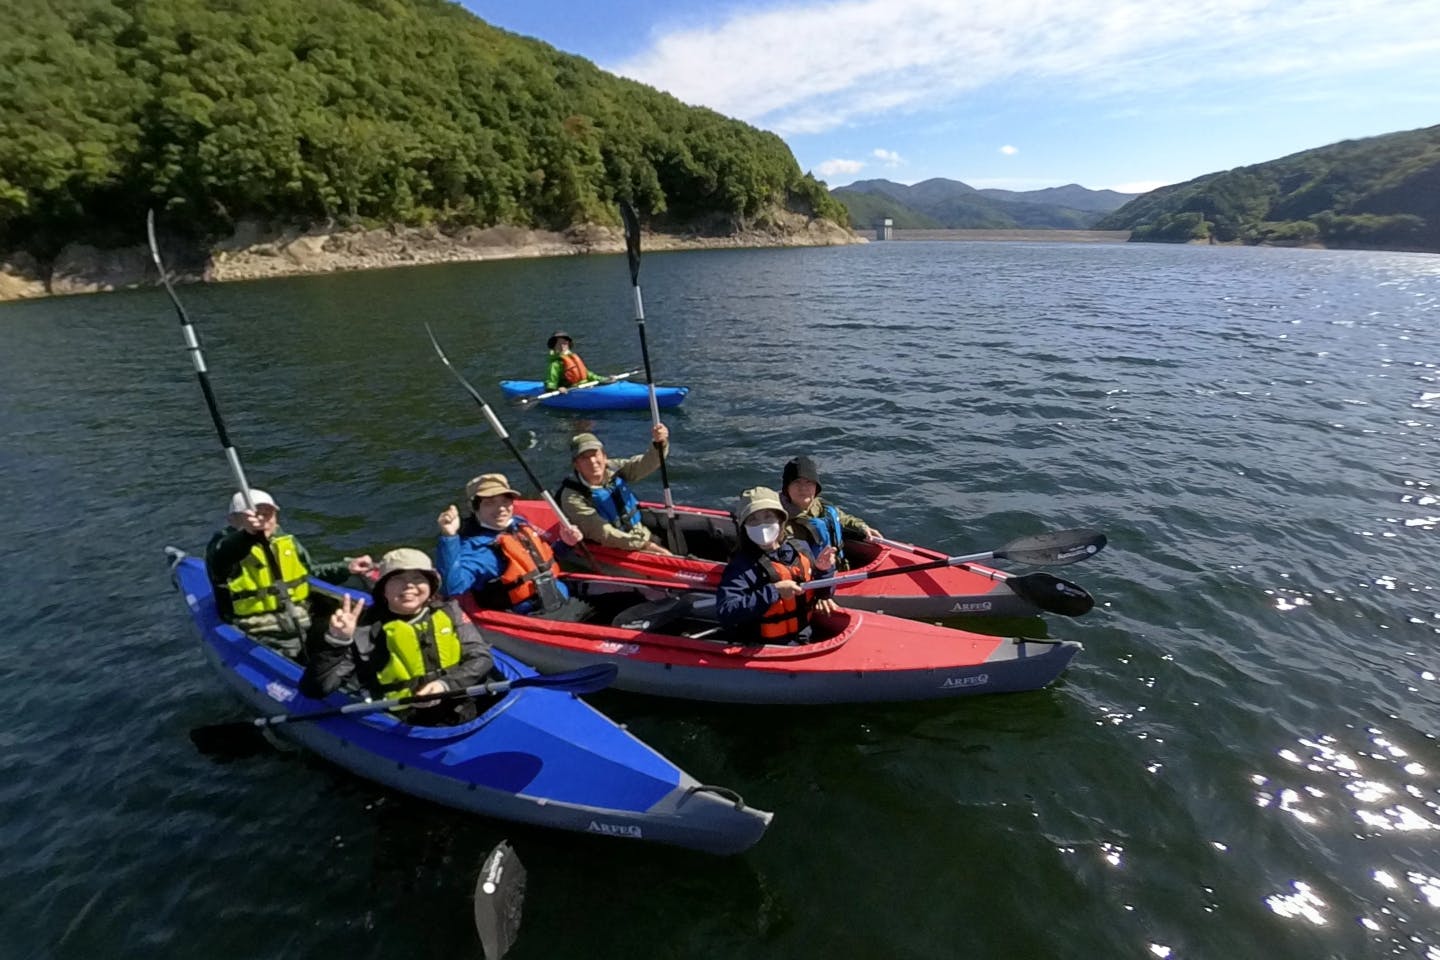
(255, 252)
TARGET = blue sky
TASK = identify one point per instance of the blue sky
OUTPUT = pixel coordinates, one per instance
(1021, 94)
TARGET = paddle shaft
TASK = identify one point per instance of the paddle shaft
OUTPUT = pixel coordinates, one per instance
(632, 248)
(584, 680)
(377, 706)
(635, 581)
(1047, 592)
(232, 457)
(583, 386)
(1028, 585)
(1058, 548)
(499, 429)
(987, 572)
(848, 578)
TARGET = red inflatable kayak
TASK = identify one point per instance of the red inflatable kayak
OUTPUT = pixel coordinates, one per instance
(858, 656)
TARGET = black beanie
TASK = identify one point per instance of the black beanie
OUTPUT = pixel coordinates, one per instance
(801, 467)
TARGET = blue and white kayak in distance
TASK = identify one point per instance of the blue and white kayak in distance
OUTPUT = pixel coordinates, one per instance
(620, 395)
(534, 755)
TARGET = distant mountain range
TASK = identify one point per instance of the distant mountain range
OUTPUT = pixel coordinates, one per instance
(1379, 192)
(941, 204)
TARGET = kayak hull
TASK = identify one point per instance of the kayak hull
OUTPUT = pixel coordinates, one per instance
(621, 395)
(534, 756)
(864, 657)
(972, 590)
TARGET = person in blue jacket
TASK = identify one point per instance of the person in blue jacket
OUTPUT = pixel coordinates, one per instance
(501, 558)
(760, 596)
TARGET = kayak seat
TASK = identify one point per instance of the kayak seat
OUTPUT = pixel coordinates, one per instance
(706, 537)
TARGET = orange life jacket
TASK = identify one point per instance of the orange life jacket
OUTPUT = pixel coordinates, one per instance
(527, 558)
(573, 369)
(783, 620)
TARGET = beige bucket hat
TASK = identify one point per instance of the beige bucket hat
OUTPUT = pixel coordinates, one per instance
(407, 558)
(489, 485)
(754, 500)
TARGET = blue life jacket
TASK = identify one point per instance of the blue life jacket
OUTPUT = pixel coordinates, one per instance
(825, 532)
(614, 501)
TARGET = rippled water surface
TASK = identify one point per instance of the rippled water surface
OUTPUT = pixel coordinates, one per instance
(1241, 762)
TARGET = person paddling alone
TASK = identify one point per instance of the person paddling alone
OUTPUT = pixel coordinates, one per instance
(597, 497)
(565, 368)
(255, 568)
(501, 558)
(760, 595)
(813, 521)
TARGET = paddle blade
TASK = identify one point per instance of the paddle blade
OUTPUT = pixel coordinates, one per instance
(1054, 549)
(238, 740)
(632, 239)
(499, 897)
(653, 614)
(1052, 594)
(597, 676)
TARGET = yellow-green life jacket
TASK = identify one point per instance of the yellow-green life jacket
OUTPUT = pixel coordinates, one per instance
(253, 589)
(416, 649)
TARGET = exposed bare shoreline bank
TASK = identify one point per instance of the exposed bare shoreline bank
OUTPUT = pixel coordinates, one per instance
(253, 253)
(1032, 236)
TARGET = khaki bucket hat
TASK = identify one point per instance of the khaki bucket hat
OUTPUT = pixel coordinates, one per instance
(489, 485)
(754, 500)
(403, 559)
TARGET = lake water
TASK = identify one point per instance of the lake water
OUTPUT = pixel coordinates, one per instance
(1242, 762)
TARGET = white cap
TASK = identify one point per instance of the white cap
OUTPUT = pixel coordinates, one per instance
(259, 497)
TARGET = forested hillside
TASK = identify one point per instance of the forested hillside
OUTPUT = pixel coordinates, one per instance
(866, 208)
(1379, 192)
(1071, 195)
(403, 111)
(958, 206)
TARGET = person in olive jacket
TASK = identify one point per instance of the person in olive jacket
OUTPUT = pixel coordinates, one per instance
(813, 521)
(597, 498)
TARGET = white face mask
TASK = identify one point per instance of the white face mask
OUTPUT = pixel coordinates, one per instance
(763, 534)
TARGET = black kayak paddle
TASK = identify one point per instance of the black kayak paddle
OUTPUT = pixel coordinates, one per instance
(219, 737)
(1049, 593)
(632, 252)
(499, 897)
(289, 612)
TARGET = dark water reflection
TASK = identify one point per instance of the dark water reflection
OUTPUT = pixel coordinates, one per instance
(1243, 756)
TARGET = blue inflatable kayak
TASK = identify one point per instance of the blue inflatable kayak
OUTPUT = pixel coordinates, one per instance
(534, 755)
(620, 395)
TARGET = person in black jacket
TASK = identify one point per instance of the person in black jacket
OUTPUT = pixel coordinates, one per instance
(258, 572)
(406, 642)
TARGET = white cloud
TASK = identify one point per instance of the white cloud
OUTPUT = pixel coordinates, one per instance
(832, 168)
(814, 65)
(1009, 151)
(888, 157)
